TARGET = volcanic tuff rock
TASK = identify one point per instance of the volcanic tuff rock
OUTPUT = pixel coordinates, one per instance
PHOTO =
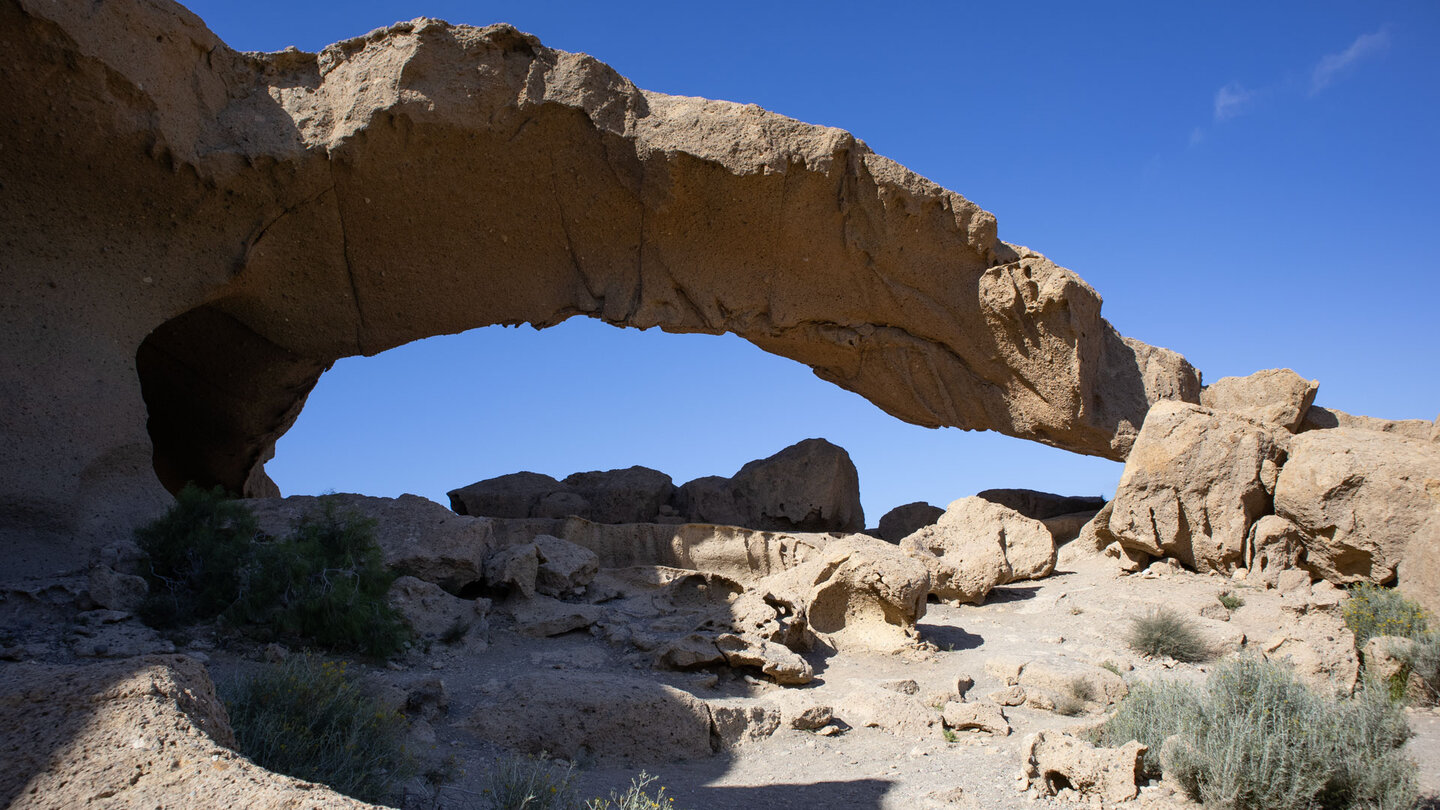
(1276, 396)
(977, 545)
(810, 486)
(197, 234)
(903, 521)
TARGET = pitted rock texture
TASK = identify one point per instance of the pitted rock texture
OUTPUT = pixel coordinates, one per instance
(197, 233)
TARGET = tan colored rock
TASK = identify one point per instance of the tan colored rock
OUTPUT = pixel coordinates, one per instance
(783, 665)
(857, 593)
(977, 545)
(1012, 695)
(432, 612)
(810, 486)
(1274, 545)
(138, 732)
(903, 521)
(1385, 656)
(417, 536)
(633, 207)
(1318, 418)
(903, 715)
(1072, 677)
(1321, 650)
(515, 495)
(800, 709)
(543, 616)
(739, 721)
(514, 567)
(1056, 761)
(1276, 396)
(1368, 501)
(1194, 483)
(564, 567)
(982, 716)
(111, 590)
(610, 718)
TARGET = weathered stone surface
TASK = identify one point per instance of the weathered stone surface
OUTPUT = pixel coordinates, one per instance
(514, 567)
(507, 496)
(1318, 418)
(857, 593)
(1321, 650)
(231, 224)
(1041, 505)
(564, 567)
(904, 715)
(810, 486)
(632, 495)
(977, 545)
(542, 616)
(115, 591)
(799, 709)
(142, 732)
(1061, 677)
(1368, 501)
(609, 718)
(432, 612)
(903, 521)
(1276, 396)
(741, 721)
(783, 665)
(417, 536)
(982, 716)
(1274, 545)
(1194, 483)
(1056, 761)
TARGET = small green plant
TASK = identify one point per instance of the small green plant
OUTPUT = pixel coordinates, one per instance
(636, 797)
(532, 783)
(1163, 632)
(307, 718)
(1112, 666)
(325, 583)
(196, 550)
(1231, 600)
(1068, 705)
(1255, 738)
(1375, 611)
(950, 736)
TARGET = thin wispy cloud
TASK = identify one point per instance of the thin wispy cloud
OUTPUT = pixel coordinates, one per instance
(1231, 100)
(1332, 65)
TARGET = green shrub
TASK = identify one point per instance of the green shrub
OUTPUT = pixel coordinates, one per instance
(1375, 611)
(307, 718)
(1254, 738)
(325, 583)
(1163, 632)
(1231, 600)
(635, 797)
(197, 550)
(532, 783)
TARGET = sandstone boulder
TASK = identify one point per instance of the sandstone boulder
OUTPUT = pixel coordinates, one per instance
(903, 521)
(417, 536)
(1318, 418)
(112, 590)
(433, 613)
(632, 495)
(1194, 483)
(1367, 501)
(1274, 545)
(1041, 505)
(857, 593)
(543, 616)
(563, 567)
(982, 716)
(1276, 396)
(1055, 761)
(1072, 677)
(506, 496)
(977, 545)
(870, 706)
(1321, 650)
(810, 486)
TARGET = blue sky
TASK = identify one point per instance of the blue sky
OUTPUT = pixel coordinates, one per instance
(1252, 185)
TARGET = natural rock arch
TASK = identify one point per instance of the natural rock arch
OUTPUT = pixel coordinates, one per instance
(217, 228)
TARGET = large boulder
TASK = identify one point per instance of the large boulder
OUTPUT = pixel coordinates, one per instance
(903, 521)
(810, 486)
(1053, 762)
(977, 545)
(1318, 418)
(507, 496)
(1276, 396)
(231, 224)
(417, 536)
(857, 593)
(1369, 502)
(631, 495)
(1042, 505)
(1194, 483)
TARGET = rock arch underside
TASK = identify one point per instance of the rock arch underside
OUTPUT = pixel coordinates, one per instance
(192, 235)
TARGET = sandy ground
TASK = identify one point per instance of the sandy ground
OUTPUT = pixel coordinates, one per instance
(1076, 617)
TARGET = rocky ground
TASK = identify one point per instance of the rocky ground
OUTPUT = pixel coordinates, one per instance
(886, 747)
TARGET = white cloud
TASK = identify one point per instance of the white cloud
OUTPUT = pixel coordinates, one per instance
(1231, 100)
(1332, 65)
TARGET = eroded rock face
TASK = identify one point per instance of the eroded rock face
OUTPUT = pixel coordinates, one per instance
(1193, 485)
(810, 486)
(1276, 396)
(977, 545)
(1057, 761)
(1365, 497)
(231, 224)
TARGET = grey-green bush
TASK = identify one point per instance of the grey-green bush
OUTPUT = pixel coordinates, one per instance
(1255, 738)
(1163, 632)
(308, 718)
